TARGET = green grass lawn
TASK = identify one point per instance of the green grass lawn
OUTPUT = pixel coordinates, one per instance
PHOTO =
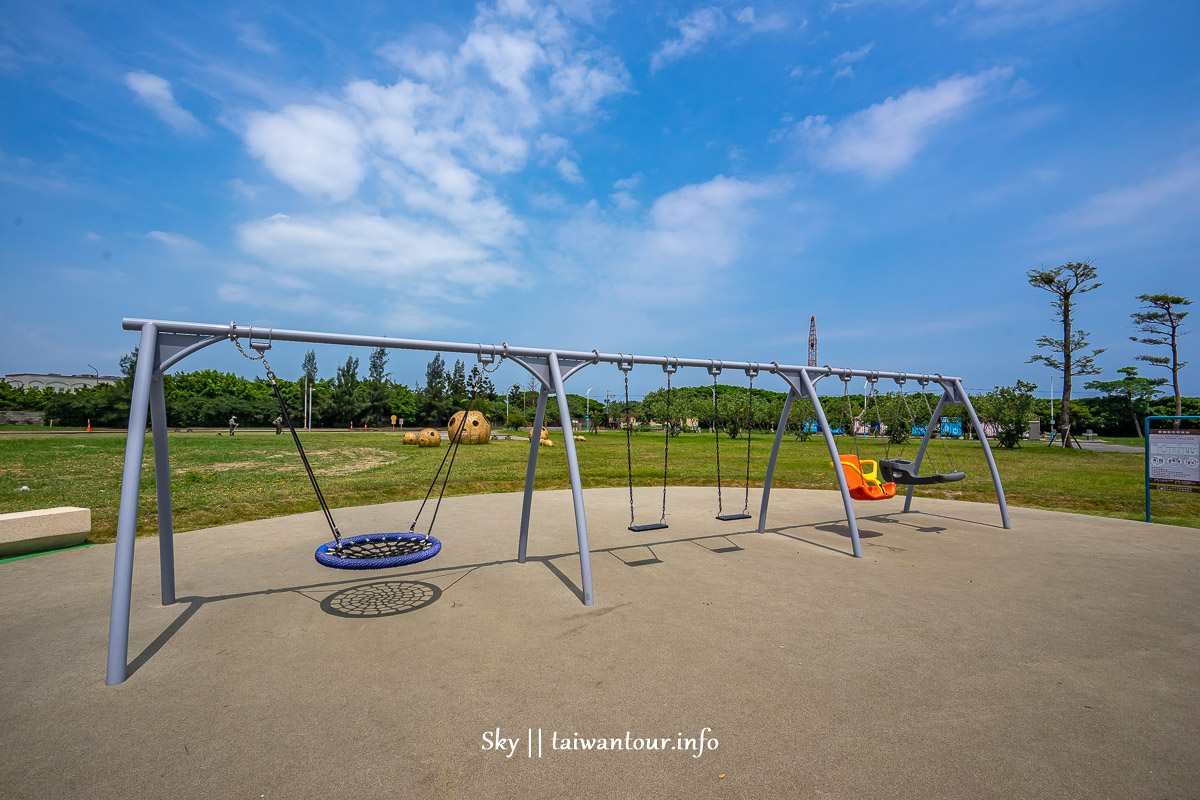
(218, 480)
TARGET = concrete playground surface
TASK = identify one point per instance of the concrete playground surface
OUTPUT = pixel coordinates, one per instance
(957, 659)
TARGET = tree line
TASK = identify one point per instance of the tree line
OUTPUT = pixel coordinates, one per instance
(207, 398)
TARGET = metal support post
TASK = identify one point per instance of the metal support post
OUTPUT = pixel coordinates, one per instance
(851, 520)
(162, 485)
(564, 413)
(131, 479)
(780, 429)
(937, 415)
(539, 419)
(987, 452)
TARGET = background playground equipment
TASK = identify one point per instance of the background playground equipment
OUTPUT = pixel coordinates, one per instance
(410, 437)
(163, 344)
(470, 428)
(429, 437)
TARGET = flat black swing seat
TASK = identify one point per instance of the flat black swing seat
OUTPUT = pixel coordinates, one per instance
(903, 471)
(728, 517)
(653, 526)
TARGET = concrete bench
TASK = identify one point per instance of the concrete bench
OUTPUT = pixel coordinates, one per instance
(24, 532)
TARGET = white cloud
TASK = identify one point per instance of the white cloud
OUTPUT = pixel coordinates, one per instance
(681, 243)
(424, 151)
(155, 93)
(246, 190)
(252, 37)
(630, 183)
(885, 137)
(314, 150)
(853, 56)
(710, 24)
(175, 241)
(552, 145)
(695, 30)
(392, 252)
(845, 72)
(623, 198)
(1174, 192)
(569, 170)
(508, 58)
(999, 16)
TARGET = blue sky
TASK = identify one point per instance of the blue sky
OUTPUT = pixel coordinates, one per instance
(675, 179)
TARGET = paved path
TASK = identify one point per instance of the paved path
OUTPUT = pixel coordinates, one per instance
(957, 659)
(1106, 447)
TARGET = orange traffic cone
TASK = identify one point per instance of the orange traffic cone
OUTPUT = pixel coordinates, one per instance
(89, 430)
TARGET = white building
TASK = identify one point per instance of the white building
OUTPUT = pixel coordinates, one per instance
(62, 383)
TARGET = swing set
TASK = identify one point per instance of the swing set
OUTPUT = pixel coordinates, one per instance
(163, 344)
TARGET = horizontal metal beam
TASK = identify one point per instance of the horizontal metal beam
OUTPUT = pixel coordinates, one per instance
(487, 352)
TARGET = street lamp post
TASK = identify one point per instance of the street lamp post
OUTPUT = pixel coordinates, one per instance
(1052, 405)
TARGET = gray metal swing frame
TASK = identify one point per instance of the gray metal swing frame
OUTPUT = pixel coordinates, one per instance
(163, 344)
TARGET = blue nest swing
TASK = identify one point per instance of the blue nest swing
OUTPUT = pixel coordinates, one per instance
(372, 550)
(378, 550)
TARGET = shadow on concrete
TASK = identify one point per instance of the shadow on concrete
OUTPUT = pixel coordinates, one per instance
(843, 530)
(361, 597)
(730, 546)
(640, 562)
(997, 525)
(381, 599)
(889, 520)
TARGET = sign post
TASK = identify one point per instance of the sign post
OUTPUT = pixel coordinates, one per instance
(1172, 459)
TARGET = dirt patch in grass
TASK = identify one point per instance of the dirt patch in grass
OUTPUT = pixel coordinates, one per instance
(350, 460)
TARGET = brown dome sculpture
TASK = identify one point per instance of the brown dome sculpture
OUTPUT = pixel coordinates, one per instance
(410, 437)
(429, 438)
(475, 430)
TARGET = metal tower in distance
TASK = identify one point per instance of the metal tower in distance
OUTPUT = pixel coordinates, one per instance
(812, 341)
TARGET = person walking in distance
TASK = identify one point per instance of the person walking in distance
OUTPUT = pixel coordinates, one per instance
(279, 424)
(233, 423)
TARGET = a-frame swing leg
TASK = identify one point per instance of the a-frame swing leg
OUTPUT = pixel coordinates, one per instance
(937, 416)
(779, 431)
(550, 375)
(162, 486)
(564, 413)
(539, 419)
(987, 453)
(131, 480)
(823, 421)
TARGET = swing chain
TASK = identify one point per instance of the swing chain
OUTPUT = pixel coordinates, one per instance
(667, 437)
(715, 370)
(490, 358)
(625, 368)
(749, 436)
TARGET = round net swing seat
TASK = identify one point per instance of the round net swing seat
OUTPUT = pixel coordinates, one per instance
(378, 551)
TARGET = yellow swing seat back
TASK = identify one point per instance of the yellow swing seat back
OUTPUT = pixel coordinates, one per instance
(862, 479)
